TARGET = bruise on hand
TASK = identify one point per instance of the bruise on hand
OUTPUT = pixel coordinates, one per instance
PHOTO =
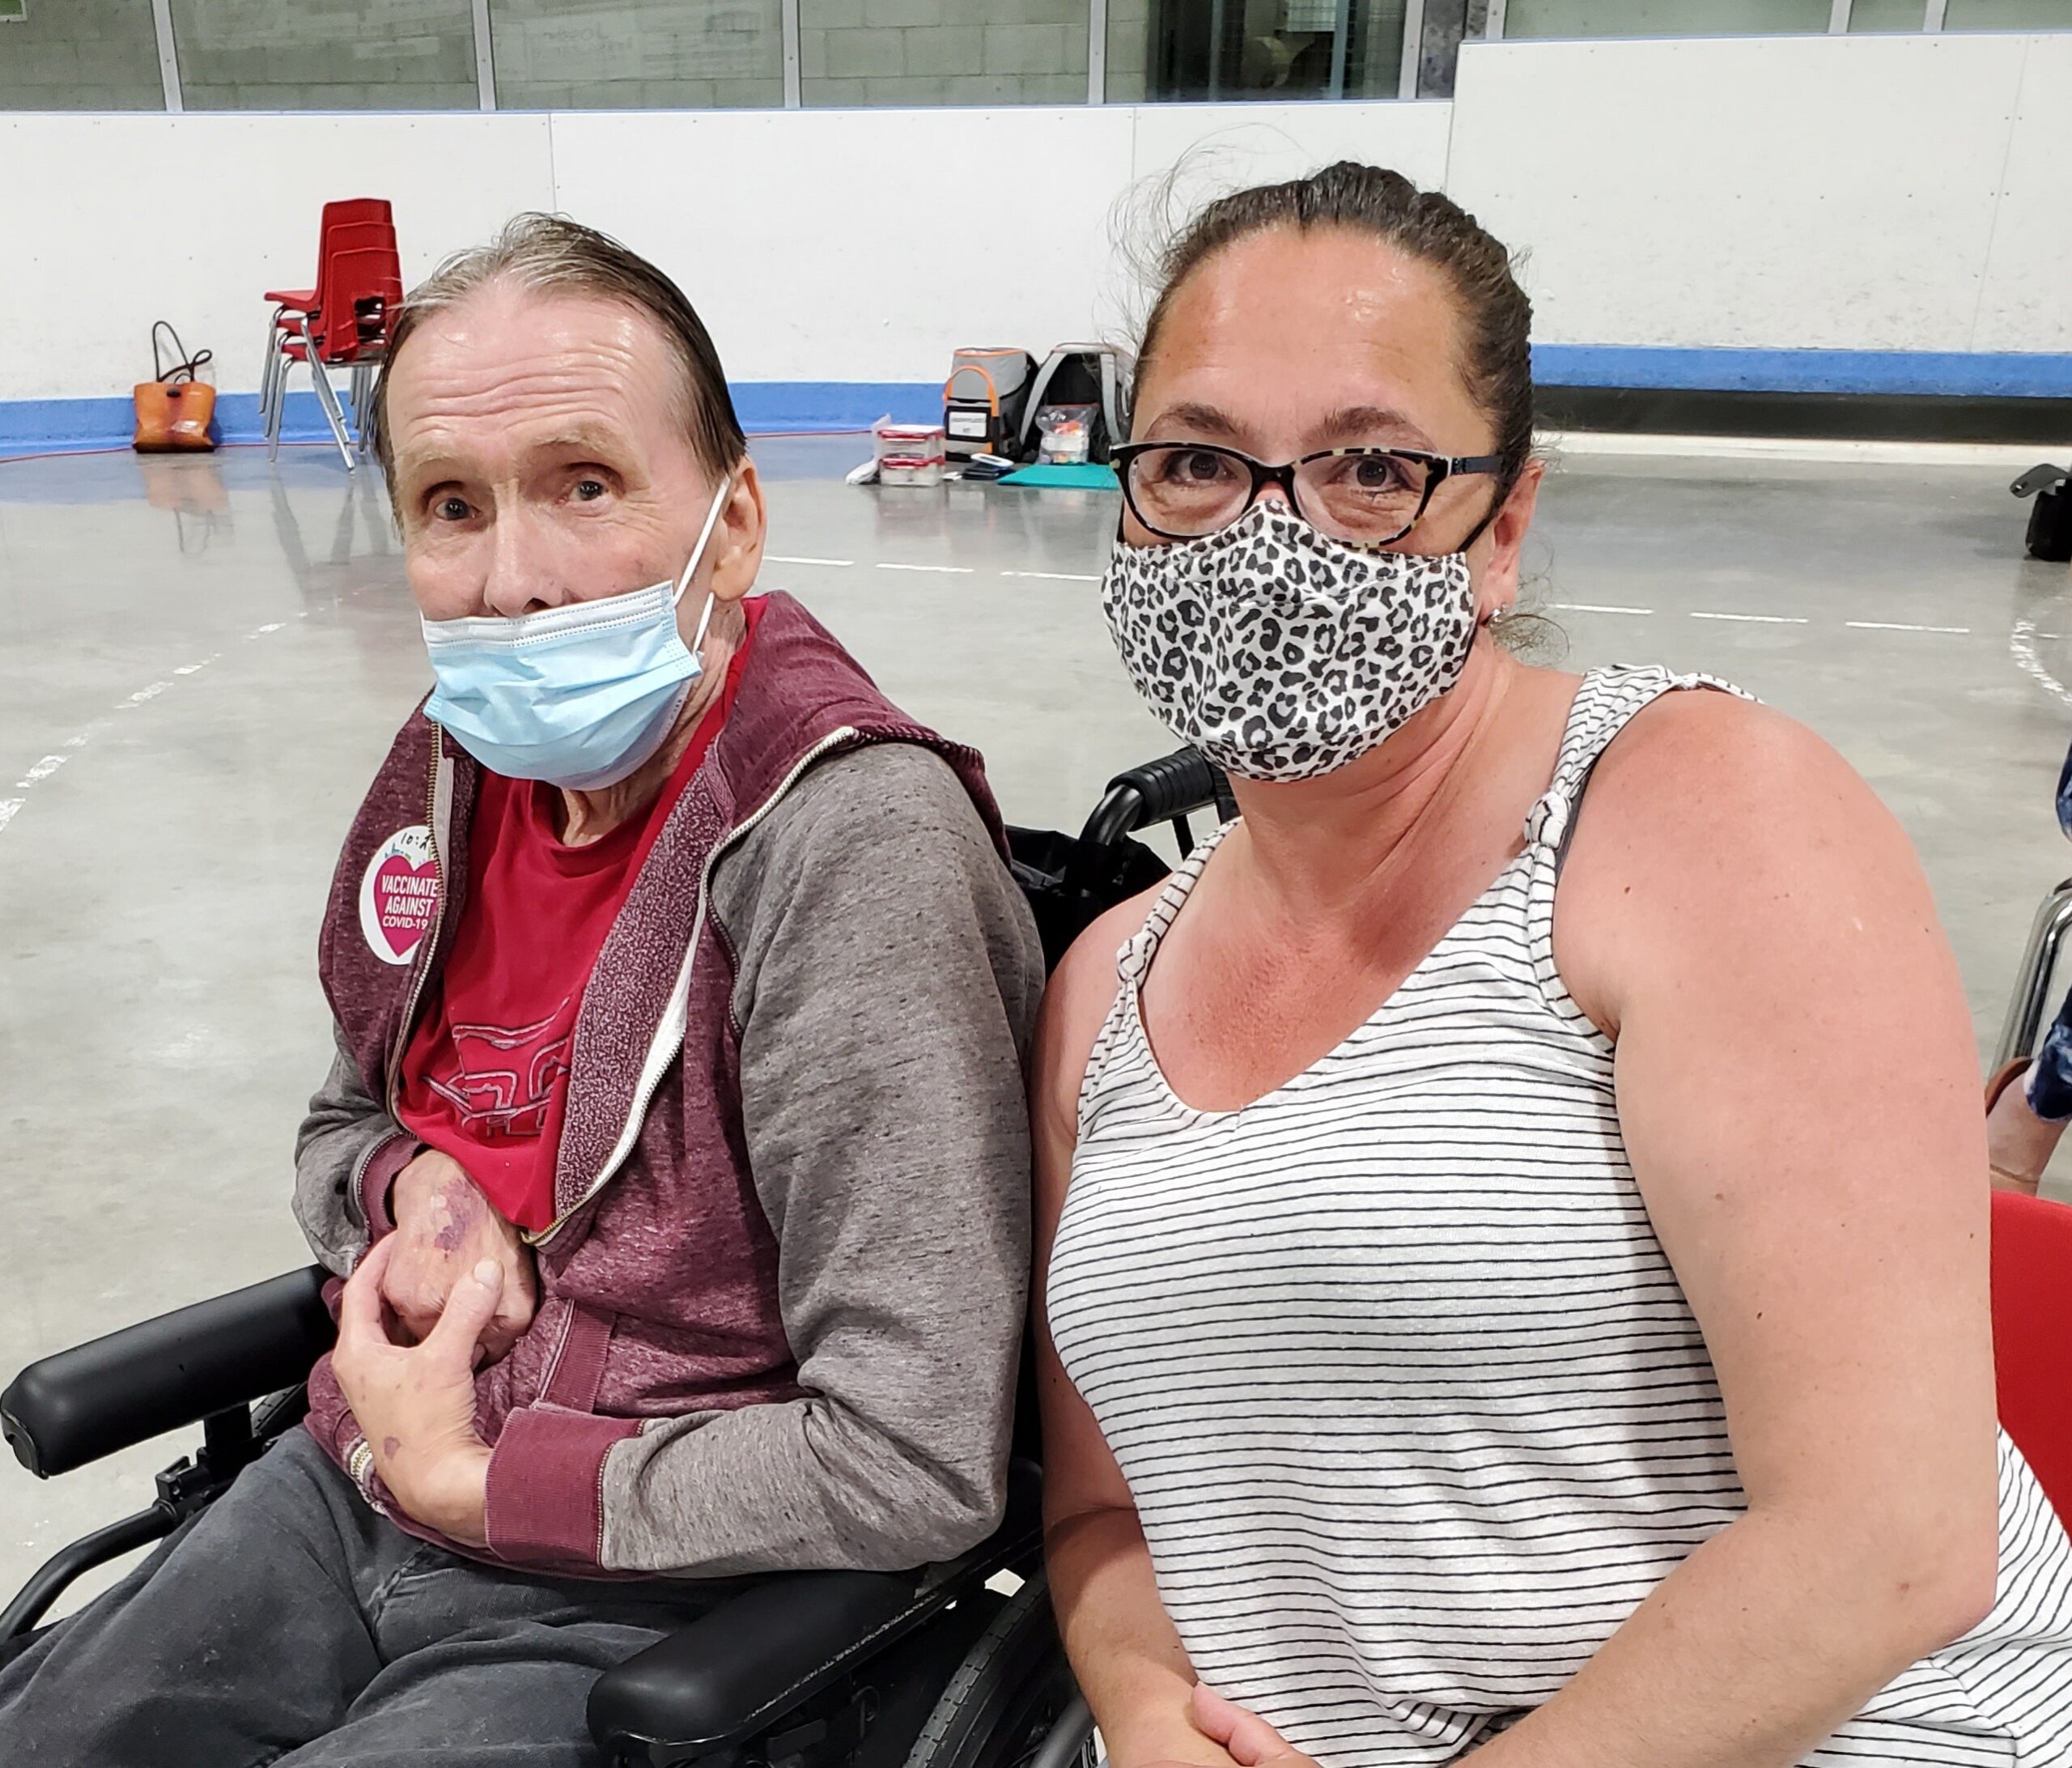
(456, 1209)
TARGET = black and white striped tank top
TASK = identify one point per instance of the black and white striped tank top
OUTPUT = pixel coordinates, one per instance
(1409, 1400)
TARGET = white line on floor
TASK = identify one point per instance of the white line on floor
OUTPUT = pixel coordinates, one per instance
(274, 627)
(143, 694)
(193, 668)
(49, 765)
(43, 769)
(778, 559)
(1899, 626)
(2021, 647)
(1594, 607)
(1053, 577)
(1754, 620)
(954, 571)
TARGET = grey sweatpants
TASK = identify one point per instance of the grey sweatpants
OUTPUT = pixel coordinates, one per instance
(289, 1624)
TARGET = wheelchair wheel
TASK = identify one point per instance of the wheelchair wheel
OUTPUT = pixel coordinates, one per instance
(1013, 1703)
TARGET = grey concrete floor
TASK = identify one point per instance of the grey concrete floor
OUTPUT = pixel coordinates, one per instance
(202, 660)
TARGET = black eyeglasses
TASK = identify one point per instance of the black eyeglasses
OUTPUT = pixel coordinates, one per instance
(1364, 497)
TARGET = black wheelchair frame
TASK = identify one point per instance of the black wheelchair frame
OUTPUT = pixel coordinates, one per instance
(812, 1669)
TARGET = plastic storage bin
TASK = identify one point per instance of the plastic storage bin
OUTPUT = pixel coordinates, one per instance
(908, 453)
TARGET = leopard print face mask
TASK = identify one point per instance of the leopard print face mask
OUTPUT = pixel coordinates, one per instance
(1280, 653)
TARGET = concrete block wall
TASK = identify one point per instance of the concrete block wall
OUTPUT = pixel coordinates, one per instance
(942, 51)
(404, 55)
(82, 55)
(637, 54)
(1664, 18)
(1129, 51)
(2005, 15)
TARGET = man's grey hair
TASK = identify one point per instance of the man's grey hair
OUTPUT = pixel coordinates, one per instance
(549, 254)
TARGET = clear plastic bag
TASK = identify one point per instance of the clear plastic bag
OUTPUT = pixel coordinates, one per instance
(1067, 431)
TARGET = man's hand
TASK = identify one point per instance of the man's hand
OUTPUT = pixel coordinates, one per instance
(445, 1226)
(416, 1404)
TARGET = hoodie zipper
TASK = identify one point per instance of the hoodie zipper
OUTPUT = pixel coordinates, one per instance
(423, 969)
(669, 1042)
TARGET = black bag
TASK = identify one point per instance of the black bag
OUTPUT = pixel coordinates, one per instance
(1071, 881)
(1080, 374)
(2050, 522)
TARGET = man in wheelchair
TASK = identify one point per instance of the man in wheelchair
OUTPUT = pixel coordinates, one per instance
(673, 1151)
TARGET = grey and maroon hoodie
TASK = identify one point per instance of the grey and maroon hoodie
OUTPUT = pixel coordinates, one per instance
(782, 1297)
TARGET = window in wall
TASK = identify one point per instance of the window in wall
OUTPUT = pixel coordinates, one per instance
(1663, 18)
(75, 55)
(624, 54)
(942, 51)
(325, 54)
(1234, 49)
(2008, 15)
(1871, 15)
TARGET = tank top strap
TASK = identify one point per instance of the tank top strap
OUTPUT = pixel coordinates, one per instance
(1133, 962)
(1603, 706)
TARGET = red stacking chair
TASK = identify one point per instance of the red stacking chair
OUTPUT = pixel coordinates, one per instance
(348, 212)
(358, 293)
(2032, 1336)
(359, 233)
(371, 222)
(284, 326)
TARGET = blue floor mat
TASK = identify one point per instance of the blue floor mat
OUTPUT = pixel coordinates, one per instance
(1084, 475)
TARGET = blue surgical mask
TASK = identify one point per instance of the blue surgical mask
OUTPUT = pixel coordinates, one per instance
(578, 696)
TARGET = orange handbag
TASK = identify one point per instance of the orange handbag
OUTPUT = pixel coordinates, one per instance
(173, 408)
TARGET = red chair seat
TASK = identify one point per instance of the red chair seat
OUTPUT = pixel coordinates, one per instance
(2032, 1336)
(354, 223)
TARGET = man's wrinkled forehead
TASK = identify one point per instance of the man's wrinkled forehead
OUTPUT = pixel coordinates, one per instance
(553, 369)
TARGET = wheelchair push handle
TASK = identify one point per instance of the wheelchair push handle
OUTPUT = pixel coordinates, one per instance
(1169, 789)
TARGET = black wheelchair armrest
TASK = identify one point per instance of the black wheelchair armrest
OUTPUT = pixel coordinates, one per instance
(82, 1403)
(735, 1672)
(738, 1670)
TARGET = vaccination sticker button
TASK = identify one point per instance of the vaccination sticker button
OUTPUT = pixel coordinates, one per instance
(399, 894)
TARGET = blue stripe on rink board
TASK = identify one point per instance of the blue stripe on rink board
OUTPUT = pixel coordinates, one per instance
(771, 406)
(37, 426)
(33, 426)
(55, 426)
(1949, 373)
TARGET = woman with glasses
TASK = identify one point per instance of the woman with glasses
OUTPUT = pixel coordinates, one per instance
(1514, 1214)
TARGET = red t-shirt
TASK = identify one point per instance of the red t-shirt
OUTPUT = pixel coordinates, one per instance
(485, 1073)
